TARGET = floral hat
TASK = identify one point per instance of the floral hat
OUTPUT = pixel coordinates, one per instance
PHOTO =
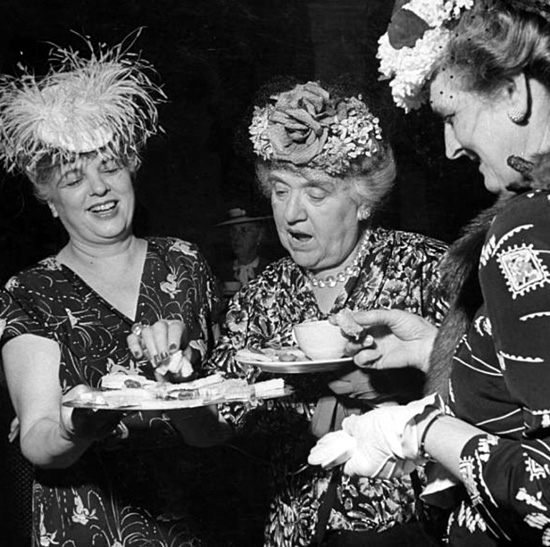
(416, 38)
(307, 127)
(106, 102)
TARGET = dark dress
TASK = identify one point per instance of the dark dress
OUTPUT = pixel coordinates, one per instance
(138, 487)
(17, 472)
(500, 382)
(400, 271)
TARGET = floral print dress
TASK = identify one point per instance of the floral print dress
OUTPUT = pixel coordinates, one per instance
(499, 382)
(138, 487)
(400, 271)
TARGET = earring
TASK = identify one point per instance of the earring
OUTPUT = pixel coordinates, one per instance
(55, 214)
(364, 214)
(517, 115)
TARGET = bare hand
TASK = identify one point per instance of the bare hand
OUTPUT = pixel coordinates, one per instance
(84, 423)
(160, 344)
(395, 339)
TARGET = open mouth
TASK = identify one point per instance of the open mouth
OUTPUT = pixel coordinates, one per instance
(299, 237)
(104, 207)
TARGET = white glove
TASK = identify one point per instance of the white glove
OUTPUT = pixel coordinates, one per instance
(332, 449)
(383, 443)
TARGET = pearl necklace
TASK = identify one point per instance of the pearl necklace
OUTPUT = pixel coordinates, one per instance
(341, 277)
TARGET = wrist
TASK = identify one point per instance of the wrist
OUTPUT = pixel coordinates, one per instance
(69, 434)
(424, 413)
(424, 429)
(82, 427)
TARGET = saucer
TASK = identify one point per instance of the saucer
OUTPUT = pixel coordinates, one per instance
(268, 360)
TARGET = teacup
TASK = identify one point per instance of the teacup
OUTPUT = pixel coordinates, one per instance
(320, 340)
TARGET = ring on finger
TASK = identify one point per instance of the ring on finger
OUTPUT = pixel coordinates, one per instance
(137, 329)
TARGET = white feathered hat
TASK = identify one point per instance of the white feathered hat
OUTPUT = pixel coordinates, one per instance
(105, 102)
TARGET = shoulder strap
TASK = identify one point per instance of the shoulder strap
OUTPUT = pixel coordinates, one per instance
(325, 508)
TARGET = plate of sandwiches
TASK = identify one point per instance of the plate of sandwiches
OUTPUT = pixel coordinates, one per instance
(121, 391)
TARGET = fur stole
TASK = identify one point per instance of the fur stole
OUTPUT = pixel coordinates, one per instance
(459, 275)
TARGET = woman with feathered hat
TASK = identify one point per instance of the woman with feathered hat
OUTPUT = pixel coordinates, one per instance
(484, 66)
(102, 478)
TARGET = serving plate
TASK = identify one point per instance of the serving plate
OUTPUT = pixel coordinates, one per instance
(172, 397)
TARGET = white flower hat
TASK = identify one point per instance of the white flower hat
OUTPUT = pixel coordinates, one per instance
(416, 38)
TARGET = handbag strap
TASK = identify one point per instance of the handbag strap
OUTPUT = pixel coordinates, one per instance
(325, 508)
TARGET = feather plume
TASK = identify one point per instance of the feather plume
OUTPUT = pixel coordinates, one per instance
(106, 102)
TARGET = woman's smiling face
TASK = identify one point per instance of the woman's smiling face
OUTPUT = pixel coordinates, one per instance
(316, 218)
(477, 128)
(94, 198)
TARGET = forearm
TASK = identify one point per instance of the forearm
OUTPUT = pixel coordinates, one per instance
(45, 444)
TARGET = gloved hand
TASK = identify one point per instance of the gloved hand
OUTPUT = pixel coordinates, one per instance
(383, 443)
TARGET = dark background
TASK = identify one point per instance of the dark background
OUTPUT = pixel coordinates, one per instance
(212, 55)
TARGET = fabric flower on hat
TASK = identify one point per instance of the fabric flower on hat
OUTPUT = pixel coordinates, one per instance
(311, 97)
(298, 123)
(307, 127)
(416, 38)
(296, 134)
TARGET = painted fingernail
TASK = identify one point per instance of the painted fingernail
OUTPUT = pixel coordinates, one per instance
(137, 354)
(173, 347)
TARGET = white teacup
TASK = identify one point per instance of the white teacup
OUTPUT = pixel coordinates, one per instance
(320, 340)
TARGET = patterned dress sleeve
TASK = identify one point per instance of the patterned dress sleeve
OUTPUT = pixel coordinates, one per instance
(507, 473)
(260, 314)
(434, 306)
(14, 320)
(231, 339)
(246, 324)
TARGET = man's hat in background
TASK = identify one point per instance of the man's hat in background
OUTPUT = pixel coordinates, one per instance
(242, 214)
